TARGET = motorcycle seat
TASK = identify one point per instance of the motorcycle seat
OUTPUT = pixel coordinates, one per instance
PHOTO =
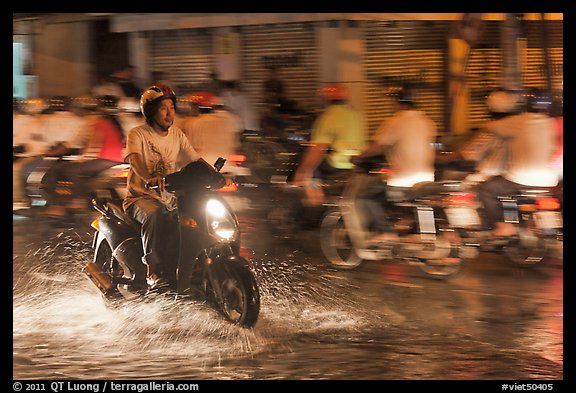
(417, 191)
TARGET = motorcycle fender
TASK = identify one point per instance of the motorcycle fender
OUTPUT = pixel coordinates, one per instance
(222, 263)
(98, 238)
(232, 259)
(116, 231)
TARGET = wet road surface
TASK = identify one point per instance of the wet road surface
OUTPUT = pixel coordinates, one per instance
(381, 321)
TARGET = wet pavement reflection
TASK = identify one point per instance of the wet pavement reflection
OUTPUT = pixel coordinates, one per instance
(381, 321)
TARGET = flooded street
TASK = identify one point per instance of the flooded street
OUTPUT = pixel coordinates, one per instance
(381, 321)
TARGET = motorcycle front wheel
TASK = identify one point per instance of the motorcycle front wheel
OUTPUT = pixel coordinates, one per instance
(336, 244)
(239, 295)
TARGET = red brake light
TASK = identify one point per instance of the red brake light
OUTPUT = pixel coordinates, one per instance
(461, 199)
(237, 158)
(547, 204)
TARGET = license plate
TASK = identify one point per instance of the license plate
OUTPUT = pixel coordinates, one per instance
(548, 220)
(426, 220)
(36, 176)
(462, 216)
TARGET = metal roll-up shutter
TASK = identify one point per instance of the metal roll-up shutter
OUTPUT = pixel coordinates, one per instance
(483, 72)
(397, 52)
(292, 47)
(534, 67)
(184, 55)
(484, 68)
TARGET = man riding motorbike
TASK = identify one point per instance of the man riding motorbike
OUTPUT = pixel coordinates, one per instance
(337, 134)
(530, 142)
(406, 141)
(154, 150)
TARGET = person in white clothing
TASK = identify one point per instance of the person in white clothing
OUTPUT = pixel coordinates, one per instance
(215, 132)
(238, 103)
(406, 141)
(153, 151)
(529, 138)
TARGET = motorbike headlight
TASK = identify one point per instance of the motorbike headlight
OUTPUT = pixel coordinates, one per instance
(220, 221)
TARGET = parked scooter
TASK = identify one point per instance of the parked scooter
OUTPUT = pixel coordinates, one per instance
(425, 218)
(208, 265)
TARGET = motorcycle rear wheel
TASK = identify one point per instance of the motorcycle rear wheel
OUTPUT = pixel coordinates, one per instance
(336, 243)
(528, 250)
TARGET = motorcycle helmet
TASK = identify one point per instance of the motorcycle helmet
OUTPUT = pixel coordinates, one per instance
(334, 92)
(151, 97)
(203, 99)
(538, 100)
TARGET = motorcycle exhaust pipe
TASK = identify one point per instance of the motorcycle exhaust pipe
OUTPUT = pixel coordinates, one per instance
(103, 281)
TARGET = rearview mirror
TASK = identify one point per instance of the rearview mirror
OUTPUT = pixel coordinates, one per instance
(219, 163)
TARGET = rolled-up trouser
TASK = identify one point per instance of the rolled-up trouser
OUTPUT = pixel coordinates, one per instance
(160, 234)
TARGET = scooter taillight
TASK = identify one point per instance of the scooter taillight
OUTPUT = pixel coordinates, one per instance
(547, 203)
(461, 199)
(237, 158)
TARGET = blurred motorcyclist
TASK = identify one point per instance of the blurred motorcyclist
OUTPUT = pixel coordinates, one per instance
(530, 142)
(406, 142)
(484, 150)
(104, 149)
(68, 130)
(337, 134)
(239, 104)
(215, 132)
(153, 150)
(32, 142)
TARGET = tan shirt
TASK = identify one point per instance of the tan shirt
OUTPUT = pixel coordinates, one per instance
(162, 156)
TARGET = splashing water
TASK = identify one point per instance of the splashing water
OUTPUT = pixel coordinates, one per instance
(63, 327)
